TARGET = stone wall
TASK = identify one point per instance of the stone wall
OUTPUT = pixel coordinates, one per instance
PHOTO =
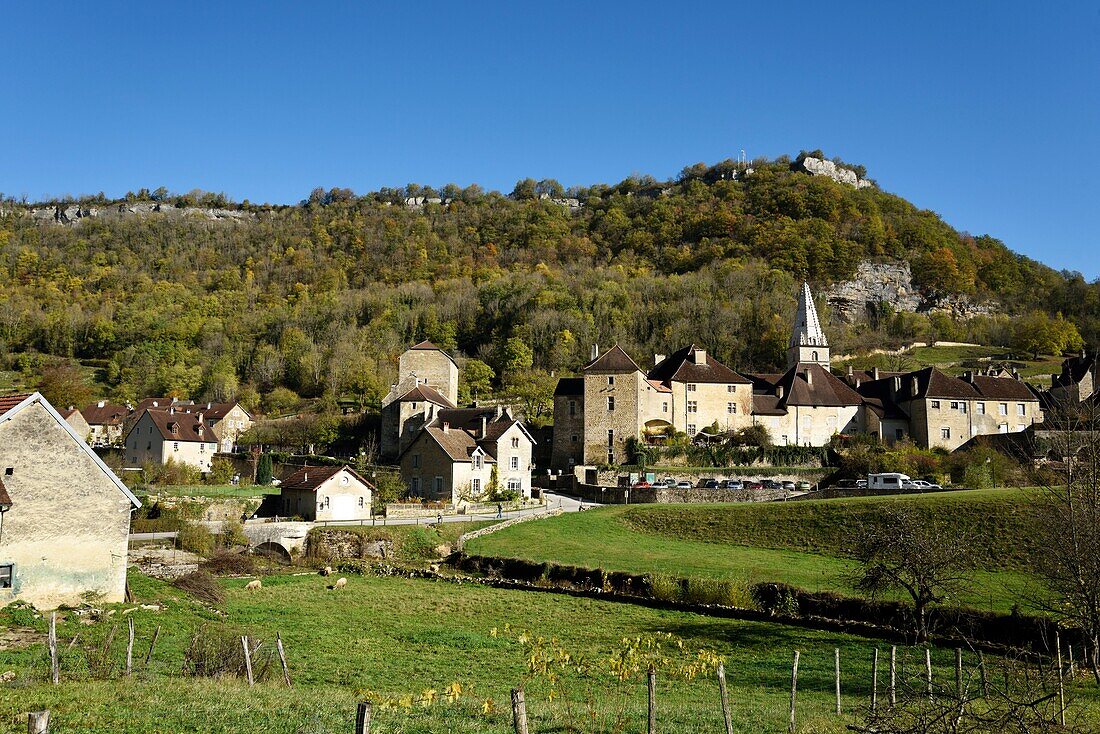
(671, 495)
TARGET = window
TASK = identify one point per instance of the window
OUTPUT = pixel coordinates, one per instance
(515, 442)
(610, 456)
(1003, 408)
(574, 438)
(664, 407)
(731, 388)
(945, 433)
(935, 403)
(1021, 409)
(691, 429)
(610, 437)
(513, 463)
(414, 406)
(416, 461)
(954, 405)
(981, 408)
(611, 380)
(7, 573)
(691, 387)
(414, 486)
(813, 357)
(693, 406)
(9, 471)
(202, 448)
(176, 446)
(611, 402)
(731, 408)
(476, 486)
(514, 485)
(962, 407)
(361, 503)
(328, 502)
(477, 461)
(438, 482)
(572, 407)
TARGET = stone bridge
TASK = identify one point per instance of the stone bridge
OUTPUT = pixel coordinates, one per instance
(283, 539)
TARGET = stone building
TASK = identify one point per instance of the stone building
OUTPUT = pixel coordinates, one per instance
(427, 379)
(64, 531)
(808, 344)
(460, 454)
(326, 493)
(568, 434)
(1077, 381)
(75, 418)
(158, 436)
(806, 405)
(106, 422)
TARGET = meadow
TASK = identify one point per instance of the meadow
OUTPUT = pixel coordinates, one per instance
(805, 544)
(407, 643)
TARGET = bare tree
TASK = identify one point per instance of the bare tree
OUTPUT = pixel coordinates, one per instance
(914, 553)
(1067, 509)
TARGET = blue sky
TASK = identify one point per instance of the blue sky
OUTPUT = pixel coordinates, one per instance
(988, 113)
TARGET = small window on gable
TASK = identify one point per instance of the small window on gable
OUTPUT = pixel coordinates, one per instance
(9, 471)
(611, 402)
(515, 442)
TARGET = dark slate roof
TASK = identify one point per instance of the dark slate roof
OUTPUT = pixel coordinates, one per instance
(7, 402)
(931, 383)
(309, 478)
(107, 415)
(825, 390)
(427, 346)
(878, 396)
(613, 361)
(67, 412)
(187, 426)
(680, 367)
(1002, 388)
(765, 404)
(1074, 370)
(455, 442)
(569, 386)
(425, 394)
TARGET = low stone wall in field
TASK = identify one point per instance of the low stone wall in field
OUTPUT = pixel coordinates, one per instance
(506, 524)
(672, 495)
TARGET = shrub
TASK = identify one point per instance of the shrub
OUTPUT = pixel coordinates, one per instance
(202, 586)
(233, 534)
(664, 587)
(715, 591)
(196, 539)
(221, 471)
(217, 650)
(230, 564)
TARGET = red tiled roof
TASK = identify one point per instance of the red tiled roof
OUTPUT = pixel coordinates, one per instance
(1005, 388)
(309, 478)
(187, 426)
(107, 415)
(7, 402)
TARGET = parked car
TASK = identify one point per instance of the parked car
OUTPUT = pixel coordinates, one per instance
(753, 485)
(731, 484)
(789, 486)
(847, 483)
(921, 485)
(861, 484)
(804, 486)
(668, 482)
(683, 485)
(771, 484)
(709, 484)
(640, 484)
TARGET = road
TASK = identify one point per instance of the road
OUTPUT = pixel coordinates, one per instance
(553, 502)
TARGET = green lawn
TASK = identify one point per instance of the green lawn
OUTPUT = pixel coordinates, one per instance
(800, 543)
(955, 360)
(397, 637)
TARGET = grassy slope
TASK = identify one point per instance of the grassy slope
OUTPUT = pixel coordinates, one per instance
(410, 542)
(212, 491)
(951, 359)
(801, 543)
(397, 636)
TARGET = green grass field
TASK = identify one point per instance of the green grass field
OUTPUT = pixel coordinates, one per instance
(955, 360)
(399, 637)
(801, 543)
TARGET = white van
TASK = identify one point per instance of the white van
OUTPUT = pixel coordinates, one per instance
(888, 480)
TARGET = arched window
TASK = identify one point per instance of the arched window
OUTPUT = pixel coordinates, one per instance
(813, 356)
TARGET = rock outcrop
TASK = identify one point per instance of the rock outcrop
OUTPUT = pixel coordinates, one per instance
(820, 167)
(74, 214)
(891, 283)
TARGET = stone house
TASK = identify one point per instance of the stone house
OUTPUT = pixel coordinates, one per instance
(1077, 381)
(461, 453)
(106, 422)
(160, 435)
(405, 411)
(75, 418)
(66, 519)
(227, 420)
(568, 436)
(326, 493)
(806, 405)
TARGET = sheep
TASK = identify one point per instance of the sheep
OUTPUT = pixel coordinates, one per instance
(326, 571)
(253, 585)
(340, 583)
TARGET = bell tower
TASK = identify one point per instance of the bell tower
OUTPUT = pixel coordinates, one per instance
(808, 344)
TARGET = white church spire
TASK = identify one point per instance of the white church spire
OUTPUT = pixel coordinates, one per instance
(808, 342)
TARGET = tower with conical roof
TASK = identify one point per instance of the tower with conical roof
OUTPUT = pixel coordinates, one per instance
(808, 343)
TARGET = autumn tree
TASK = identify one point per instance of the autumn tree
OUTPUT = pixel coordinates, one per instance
(63, 385)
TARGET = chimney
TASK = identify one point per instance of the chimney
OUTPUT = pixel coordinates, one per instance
(1015, 374)
(446, 426)
(897, 384)
(809, 378)
(484, 425)
(657, 359)
(595, 351)
(858, 382)
(305, 476)
(849, 372)
(101, 403)
(500, 410)
(913, 385)
(199, 417)
(699, 356)
(874, 373)
(171, 410)
(209, 406)
(779, 392)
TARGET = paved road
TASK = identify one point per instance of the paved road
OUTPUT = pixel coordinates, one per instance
(553, 502)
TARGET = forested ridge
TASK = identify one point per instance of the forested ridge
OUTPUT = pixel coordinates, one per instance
(317, 299)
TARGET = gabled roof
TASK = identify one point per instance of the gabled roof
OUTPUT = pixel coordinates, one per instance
(425, 394)
(458, 444)
(215, 411)
(569, 386)
(613, 361)
(7, 402)
(180, 426)
(681, 366)
(67, 413)
(879, 397)
(107, 414)
(1002, 388)
(805, 384)
(309, 478)
(9, 411)
(1074, 370)
(427, 346)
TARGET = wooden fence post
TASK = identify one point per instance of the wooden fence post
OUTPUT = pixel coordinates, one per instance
(794, 690)
(362, 717)
(652, 726)
(836, 655)
(928, 669)
(152, 644)
(725, 699)
(874, 681)
(55, 668)
(247, 659)
(958, 673)
(519, 711)
(38, 722)
(1061, 686)
(282, 657)
(893, 675)
(130, 648)
(985, 677)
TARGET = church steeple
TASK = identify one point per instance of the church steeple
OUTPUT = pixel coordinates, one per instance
(808, 342)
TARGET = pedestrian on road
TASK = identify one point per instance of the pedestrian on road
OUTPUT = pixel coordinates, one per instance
(439, 518)
(500, 510)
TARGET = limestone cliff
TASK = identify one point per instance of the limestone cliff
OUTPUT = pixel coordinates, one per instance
(891, 283)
